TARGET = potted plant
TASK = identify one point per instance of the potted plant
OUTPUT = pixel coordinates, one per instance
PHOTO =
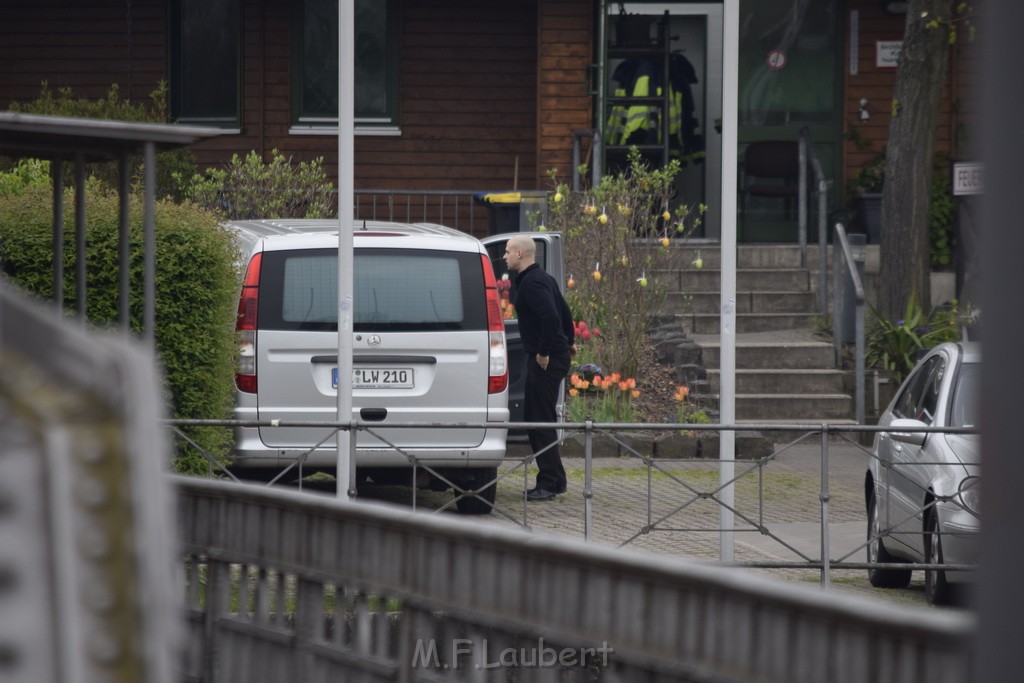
(866, 188)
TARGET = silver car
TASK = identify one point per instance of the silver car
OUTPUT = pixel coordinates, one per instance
(922, 487)
(428, 346)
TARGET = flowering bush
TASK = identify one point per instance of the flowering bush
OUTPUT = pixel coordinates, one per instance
(617, 237)
(602, 399)
(687, 412)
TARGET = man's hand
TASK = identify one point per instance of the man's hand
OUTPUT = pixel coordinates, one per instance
(542, 361)
(572, 350)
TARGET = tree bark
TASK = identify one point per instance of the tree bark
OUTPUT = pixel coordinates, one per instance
(906, 196)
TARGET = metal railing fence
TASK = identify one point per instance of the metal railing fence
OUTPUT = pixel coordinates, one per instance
(283, 585)
(454, 208)
(678, 499)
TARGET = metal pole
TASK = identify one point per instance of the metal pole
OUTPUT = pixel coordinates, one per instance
(124, 245)
(825, 561)
(80, 241)
(149, 246)
(597, 150)
(859, 362)
(346, 168)
(576, 161)
(588, 493)
(838, 294)
(57, 174)
(823, 247)
(802, 201)
(727, 399)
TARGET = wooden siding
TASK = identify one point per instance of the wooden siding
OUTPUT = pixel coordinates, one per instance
(468, 83)
(877, 85)
(490, 91)
(84, 46)
(565, 30)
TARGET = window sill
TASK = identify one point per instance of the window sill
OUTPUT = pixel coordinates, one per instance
(360, 131)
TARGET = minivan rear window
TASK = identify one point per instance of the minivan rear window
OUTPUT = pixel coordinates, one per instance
(394, 289)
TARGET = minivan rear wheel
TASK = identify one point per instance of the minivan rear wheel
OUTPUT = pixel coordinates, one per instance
(482, 502)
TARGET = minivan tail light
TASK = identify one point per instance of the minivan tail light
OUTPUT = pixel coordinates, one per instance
(498, 359)
(245, 375)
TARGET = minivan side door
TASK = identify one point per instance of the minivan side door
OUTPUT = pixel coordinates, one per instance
(549, 257)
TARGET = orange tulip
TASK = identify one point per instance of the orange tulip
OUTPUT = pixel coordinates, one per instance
(635, 393)
(573, 392)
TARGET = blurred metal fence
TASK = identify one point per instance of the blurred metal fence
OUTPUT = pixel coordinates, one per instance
(676, 496)
(87, 545)
(284, 585)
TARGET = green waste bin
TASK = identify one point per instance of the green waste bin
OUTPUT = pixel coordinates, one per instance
(520, 211)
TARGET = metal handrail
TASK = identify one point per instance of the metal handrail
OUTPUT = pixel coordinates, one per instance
(844, 257)
(808, 153)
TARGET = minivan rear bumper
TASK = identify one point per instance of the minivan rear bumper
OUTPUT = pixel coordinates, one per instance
(251, 452)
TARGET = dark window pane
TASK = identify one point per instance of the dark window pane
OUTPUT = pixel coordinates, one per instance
(205, 73)
(319, 60)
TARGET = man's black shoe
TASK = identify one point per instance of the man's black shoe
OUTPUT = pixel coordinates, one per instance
(540, 494)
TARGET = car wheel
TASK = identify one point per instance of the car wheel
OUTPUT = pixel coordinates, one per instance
(482, 503)
(936, 589)
(882, 578)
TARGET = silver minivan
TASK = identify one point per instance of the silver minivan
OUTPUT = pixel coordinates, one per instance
(428, 347)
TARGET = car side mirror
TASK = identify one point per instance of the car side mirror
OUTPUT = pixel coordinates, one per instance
(915, 438)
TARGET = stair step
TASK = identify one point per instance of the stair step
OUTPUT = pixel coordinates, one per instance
(746, 302)
(709, 280)
(771, 381)
(747, 256)
(784, 374)
(809, 408)
(771, 430)
(710, 323)
(766, 355)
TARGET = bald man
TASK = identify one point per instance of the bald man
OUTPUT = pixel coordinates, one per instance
(545, 325)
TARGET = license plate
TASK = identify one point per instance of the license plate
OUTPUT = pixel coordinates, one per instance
(377, 378)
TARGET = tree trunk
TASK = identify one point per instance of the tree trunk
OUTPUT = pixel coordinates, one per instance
(906, 195)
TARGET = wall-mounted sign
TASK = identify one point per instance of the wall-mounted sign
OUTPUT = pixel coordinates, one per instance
(968, 178)
(776, 60)
(887, 53)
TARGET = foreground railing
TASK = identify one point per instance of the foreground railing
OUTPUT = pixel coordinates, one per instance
(284, 585)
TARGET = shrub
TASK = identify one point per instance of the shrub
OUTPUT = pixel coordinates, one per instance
(27, 173)
(195, 293)
(618, 237)
(249, 189)
(894, 346)
(170, 165)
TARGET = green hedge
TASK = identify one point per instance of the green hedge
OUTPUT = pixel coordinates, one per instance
(196, 293)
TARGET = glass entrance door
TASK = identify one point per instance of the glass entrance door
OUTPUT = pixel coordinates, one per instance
(662, 93)
(789, 78)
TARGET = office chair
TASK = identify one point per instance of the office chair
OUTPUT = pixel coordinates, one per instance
(771, 169)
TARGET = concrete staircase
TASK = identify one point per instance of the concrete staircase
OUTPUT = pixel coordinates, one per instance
(785, 372)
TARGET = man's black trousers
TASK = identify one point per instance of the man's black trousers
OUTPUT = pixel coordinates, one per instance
(540, 400)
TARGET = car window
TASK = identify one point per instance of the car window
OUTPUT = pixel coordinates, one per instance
(496, 252)
(963, 412)
(920, 395)
(394, 290)
(930, 396)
